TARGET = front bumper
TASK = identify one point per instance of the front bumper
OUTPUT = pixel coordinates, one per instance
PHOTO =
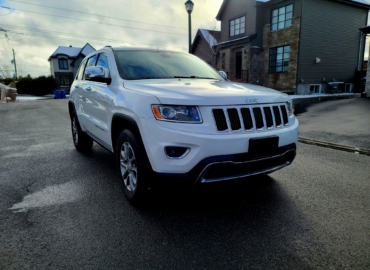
(229, 167)
(205, 149)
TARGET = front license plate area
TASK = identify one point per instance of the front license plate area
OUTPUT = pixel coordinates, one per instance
(263, 147)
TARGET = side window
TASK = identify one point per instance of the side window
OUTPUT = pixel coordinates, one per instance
(81, 70)
(103, 62)
(92, 61)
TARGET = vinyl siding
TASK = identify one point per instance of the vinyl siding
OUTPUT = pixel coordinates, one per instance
(329, 31)
(234, 9)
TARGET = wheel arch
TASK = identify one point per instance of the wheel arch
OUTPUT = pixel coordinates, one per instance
(71, 108)
(121, 122)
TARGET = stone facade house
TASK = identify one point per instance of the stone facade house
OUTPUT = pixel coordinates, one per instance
(64, 63)
(203, 45)
(305, 46)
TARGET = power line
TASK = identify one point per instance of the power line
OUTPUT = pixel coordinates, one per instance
(121, 26)
(99, 15)
(81, 36)
(83, 41)
(35, 67)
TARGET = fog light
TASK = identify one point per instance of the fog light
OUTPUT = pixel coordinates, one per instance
(176, 152)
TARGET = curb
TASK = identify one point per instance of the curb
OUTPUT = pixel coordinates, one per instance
(340, 147)
(331, 96)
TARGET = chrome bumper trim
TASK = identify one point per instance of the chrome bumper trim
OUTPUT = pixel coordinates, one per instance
(201, 178)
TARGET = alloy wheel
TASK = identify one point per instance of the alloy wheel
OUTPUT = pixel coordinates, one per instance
(74, 131)
(128, 167)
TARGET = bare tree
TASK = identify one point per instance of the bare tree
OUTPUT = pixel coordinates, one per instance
(5, 71)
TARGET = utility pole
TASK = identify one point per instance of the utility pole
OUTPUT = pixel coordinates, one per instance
(15, 66)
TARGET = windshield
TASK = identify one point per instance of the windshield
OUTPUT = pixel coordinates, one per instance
(147, 64)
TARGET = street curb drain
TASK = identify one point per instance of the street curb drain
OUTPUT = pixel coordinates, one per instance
(357, 150)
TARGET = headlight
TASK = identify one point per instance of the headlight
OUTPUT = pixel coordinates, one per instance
(290, 106)
(186, 114)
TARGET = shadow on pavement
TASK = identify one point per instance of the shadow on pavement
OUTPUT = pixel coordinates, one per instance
(301, 105)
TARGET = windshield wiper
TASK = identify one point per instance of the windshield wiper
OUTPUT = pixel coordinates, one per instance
(185, 77)
(193, 77)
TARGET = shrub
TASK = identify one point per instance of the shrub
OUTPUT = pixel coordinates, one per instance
(39, 86)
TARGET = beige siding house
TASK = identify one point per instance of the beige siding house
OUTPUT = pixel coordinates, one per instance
(64, 63)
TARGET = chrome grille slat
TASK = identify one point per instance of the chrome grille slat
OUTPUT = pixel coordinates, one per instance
(252, 118)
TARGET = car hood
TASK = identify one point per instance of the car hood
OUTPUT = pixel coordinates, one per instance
(205, 92)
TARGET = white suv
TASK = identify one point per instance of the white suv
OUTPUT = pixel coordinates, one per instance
(169, 115)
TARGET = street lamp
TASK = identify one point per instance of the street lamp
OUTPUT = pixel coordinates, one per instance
(189, 8)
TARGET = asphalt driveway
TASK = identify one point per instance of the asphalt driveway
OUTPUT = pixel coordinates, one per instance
(341, 121)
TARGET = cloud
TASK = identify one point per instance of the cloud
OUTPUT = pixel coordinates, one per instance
(157, 23)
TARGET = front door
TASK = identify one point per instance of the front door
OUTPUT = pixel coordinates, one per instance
(238, 66)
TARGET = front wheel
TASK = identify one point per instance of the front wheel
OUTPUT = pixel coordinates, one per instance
(132, 167)
(81, 140)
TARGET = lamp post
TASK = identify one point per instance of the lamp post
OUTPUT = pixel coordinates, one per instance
(189, 8)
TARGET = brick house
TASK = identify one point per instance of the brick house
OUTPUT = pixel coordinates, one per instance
(203, 44)
(306, 46)
(64, 63)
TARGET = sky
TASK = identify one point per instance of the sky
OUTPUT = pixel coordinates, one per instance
(35, 28)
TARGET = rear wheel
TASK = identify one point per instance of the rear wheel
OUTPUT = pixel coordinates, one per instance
(81, 140)
(132, 167)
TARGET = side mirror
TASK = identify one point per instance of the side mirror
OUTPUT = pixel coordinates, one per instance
(223, 74)
(97, 74)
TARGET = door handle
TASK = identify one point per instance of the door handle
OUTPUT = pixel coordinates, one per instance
(88, 88)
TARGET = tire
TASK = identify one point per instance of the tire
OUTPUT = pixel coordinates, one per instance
(132, 167)
(81, 140)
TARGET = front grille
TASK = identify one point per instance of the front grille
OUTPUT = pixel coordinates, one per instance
(250, 118)
(268, 116)
(285, 115)
(234, 119)
(220, 119)
(247, 118)
(277, 116)
(258, 117)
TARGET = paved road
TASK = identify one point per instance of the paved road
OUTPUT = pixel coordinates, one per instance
(343, 121)
(60, 209)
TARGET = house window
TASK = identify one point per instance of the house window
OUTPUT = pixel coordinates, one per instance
(63, 63)
(348, 87)
(279, 59)
(237, 26)
(223, 61)
(64, 80)
(282, 17)
(315, 88)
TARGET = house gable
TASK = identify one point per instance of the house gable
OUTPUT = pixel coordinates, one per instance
(203, 44)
